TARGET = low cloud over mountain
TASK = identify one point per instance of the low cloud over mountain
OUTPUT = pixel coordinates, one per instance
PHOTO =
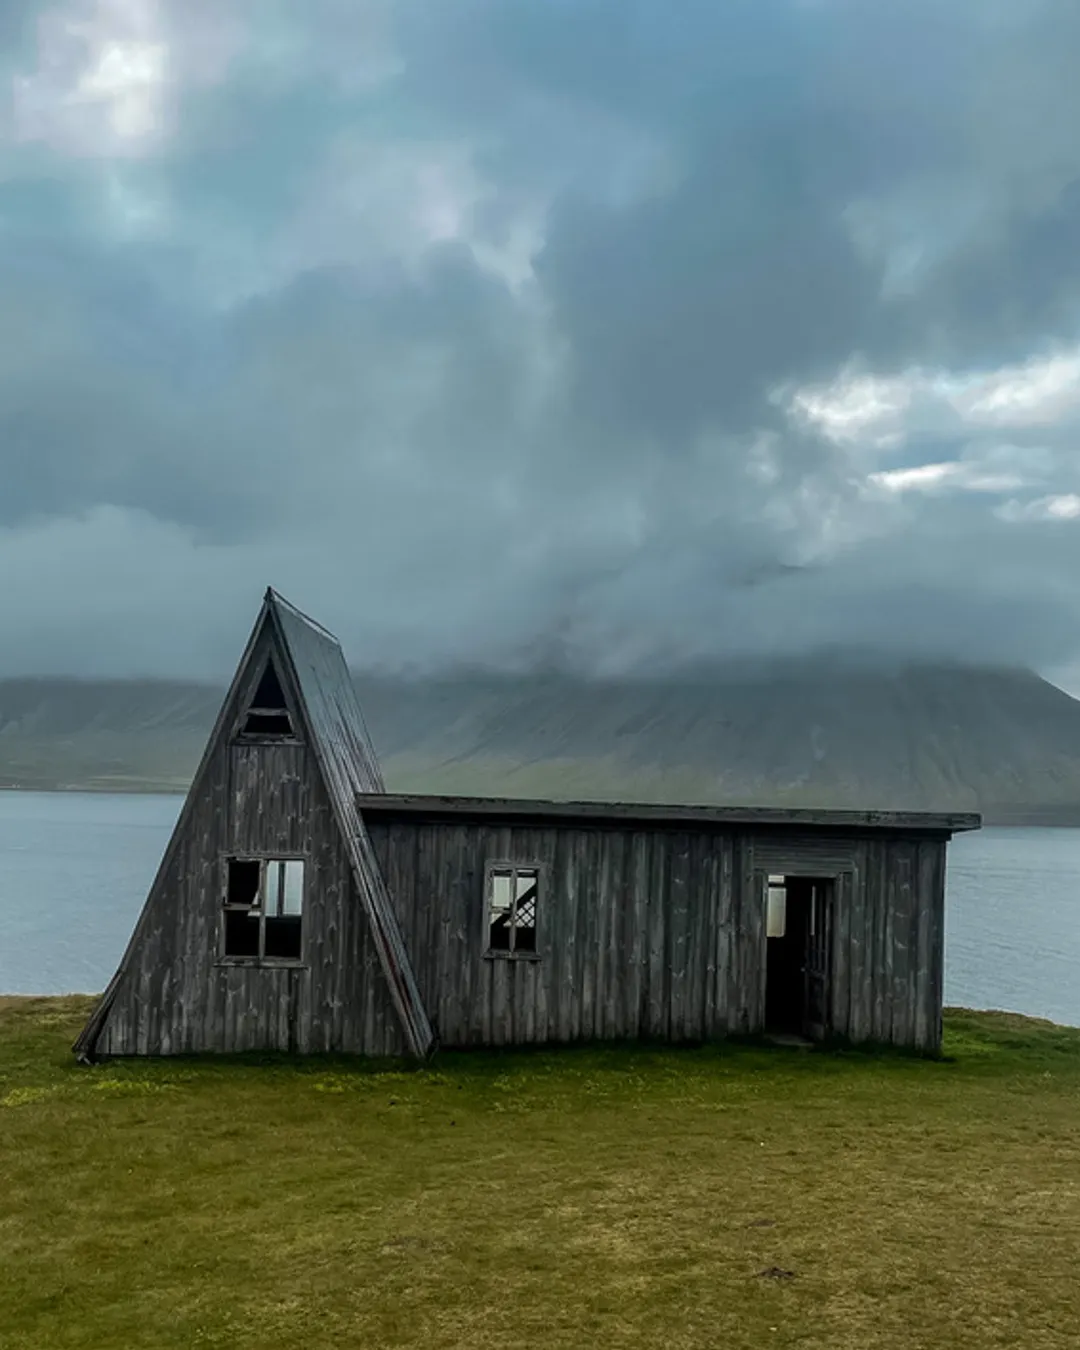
(836, 732)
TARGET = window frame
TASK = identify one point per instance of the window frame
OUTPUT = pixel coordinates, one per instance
(261, 960)
(514, 866)
(245, 737)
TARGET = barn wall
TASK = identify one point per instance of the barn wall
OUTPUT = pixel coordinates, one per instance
(889, 929)
(660, 933)
(640, 932)
(176, 996)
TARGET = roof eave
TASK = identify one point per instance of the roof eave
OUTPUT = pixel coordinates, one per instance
(657, 813)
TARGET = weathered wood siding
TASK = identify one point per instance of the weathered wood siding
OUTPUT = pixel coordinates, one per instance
(888, 929)
(657, 958)
(660, 933)
(176, 996)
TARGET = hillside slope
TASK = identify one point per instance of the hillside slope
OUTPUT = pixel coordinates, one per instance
(814, 732)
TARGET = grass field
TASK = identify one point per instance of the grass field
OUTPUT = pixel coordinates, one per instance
(737, 1197)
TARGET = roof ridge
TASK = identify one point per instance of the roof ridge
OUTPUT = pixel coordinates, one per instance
(275, 598)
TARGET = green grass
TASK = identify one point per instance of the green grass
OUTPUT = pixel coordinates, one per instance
(600, 1197)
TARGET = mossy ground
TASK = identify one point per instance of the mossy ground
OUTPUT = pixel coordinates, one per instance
(609, 1197)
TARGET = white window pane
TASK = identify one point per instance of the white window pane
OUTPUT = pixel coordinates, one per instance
(526, 882)
(525, 908)
(272, 889)
(776, 913)
(293, 891)
(501, 892)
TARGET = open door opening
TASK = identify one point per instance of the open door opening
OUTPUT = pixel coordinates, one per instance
(798, 948)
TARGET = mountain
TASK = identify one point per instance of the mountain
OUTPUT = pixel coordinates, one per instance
(822, 731)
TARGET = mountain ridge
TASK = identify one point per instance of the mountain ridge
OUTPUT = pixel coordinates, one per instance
(816, 731)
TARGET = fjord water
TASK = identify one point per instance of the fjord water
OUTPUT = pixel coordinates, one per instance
(75, 868)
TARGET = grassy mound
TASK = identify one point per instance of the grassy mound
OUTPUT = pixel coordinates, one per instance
(733, 1197)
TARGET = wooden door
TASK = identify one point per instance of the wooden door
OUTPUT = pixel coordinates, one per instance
(818, 967)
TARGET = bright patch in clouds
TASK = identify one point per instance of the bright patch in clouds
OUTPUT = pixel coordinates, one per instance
(105, 75)
(857, 409)
(126, 79)
(880, 412)
(1065, 506)
(1039, 393)
(99, 87)
(929, 478)
(870, 418)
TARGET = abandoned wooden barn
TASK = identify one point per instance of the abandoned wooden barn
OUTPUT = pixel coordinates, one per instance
(300, 907)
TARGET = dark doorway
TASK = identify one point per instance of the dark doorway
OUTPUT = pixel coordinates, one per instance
(798, 946)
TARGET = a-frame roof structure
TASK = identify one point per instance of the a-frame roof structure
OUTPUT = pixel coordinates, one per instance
(334, 727)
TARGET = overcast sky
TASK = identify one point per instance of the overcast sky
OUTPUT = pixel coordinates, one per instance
(635, 330)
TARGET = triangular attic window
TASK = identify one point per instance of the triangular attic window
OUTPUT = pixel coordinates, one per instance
(268, 714)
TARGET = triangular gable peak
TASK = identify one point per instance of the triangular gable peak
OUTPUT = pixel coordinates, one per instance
(269, 713)
(293, 685)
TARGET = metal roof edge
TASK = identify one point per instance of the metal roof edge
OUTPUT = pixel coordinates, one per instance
(409, 803)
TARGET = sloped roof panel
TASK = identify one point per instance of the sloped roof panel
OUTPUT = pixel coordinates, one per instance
(350, 770)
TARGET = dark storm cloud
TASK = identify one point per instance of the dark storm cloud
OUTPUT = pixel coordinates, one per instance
(482, 328)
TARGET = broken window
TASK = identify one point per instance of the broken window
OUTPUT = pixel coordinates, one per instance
(776, 908)
(268, 714)
(264, 900)
(512, 895)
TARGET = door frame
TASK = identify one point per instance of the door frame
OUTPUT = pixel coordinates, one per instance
(830, 879)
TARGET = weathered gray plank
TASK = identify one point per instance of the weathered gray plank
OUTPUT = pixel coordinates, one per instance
(901, 858)
(679, 938)
(936, 913)
(724, 945)
(659, 964)
(885, 973)
(840, 1001)
(637, 982)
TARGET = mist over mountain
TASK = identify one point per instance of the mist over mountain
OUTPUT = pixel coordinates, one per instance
(839, 730)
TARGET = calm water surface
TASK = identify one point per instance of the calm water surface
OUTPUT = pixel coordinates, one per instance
(74, 870)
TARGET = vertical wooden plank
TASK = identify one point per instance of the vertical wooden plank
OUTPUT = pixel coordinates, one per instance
(543, 973)
(635, 942)
(501, 976)
(594, 909)
(840, 993)
(475, 920)
(481, 838)
(679, 926)
(923, 923)
(736, 962)
(879, 975)
(523, 1006)
(451, 897)
(935, 914)
(659, 965)
(722, 909)
(862, 946)
(704, 873)
(432, 869)
(757, 951)
(899, 925)
(911, 944)
(613, 903)
(864, 922)
(569, 1007)
(888, 948)
(553, 936)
